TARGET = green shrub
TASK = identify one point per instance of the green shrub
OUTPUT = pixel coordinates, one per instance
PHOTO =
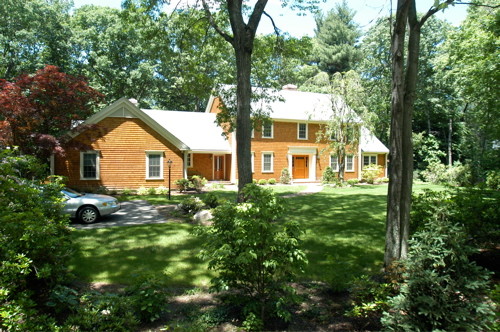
(183, 184)
(369, 298)
(191, 205)
(35, 243)
(262, 182)
(456, 175)
(211, 200)
(352, 182)
(476, 209)
(285, 177)
(142, 191)
(254, 181)
(329, 176)
(148, 296)
(442, 289)
(370, 173)
(254, 253)
(162, 190)
(103, 312)
(127, 191)
(198, 182)
(493, 180)
(271, 181)
(151, 191)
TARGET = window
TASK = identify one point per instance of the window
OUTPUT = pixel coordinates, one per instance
(267, 162)
(154, 165)
(189, 160)
(89, 165)
(253, 162)
(370, 159)
(349, 163)
(334, 163)
(302, 130)
(267, 130)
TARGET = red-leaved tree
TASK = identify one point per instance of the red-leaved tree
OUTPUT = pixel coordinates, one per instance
(36, 111)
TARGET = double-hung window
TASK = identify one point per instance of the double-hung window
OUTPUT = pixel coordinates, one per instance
(89, 165)
(189, 160)
(267, 130)
(267, 162)
(302, 130)
(349, 163)
(253, 162)
(154, 165)
(369, 159)
(334, 163)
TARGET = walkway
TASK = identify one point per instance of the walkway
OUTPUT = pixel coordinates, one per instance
(312, 188)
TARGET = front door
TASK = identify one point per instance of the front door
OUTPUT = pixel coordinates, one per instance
(218, 167)
(300, 166)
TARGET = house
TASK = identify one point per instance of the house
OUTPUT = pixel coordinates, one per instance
(144, 148)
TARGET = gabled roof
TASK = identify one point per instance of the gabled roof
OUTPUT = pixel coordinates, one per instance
(188, 131)
(370, 143)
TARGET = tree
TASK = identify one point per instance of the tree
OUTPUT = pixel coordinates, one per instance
(334, 46)
(471, 67)
(39, 109)
(346, 116)
(33, 33)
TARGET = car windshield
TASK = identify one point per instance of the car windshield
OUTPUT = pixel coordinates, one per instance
(71, 193)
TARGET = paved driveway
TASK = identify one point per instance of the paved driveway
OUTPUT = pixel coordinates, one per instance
(138, 212)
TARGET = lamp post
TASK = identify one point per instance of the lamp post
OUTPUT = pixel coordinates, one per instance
(169, 163)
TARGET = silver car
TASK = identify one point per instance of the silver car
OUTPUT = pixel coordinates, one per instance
(87, 208)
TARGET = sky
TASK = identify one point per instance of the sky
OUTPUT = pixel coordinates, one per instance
(367, 12)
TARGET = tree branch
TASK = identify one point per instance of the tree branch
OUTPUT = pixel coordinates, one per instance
(214, 24)
(276, 29)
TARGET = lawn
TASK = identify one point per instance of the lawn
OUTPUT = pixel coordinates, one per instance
(344, 238)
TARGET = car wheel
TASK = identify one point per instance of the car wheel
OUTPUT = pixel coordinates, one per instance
(88, 214)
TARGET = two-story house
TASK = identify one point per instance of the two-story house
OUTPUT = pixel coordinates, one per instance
(134, 147)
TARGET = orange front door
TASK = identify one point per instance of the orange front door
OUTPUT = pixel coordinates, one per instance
(300, 167)
(218, 167)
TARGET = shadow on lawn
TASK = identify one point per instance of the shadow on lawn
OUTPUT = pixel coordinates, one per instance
(345, 234)
(116, 254)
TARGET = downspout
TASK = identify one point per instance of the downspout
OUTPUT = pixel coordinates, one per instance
(184, 166)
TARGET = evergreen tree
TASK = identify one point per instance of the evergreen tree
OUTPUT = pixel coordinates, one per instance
(334, 47)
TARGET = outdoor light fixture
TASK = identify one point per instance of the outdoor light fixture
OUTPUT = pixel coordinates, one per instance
(169, 163)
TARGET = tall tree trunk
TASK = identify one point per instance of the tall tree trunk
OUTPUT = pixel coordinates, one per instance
(395, 244)
(450, 134)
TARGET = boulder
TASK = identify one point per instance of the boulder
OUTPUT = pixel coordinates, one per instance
(203, 217)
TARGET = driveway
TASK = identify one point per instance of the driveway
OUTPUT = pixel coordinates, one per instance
(132, 213)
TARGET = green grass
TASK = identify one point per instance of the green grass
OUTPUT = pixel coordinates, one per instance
(344, 237)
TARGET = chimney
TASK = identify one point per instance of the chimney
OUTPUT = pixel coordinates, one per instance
(134, 101)
(290, 87)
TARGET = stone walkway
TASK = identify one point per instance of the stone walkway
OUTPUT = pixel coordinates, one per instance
(311, 188)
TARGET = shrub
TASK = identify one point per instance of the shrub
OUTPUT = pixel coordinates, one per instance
(191, 205)
(254, 181)
(148, 296)
(329, 176)
(35, 243)
(271, 181)
(127, 192)
(254, 253)
(493, 180)
(370, 173)
(142, 191)
(352, 182)
(262, 182)
(151, 191)
(285, 177)
(456, 175)
(198, 183)
(369, 297)
(442, 289)
(162, 190)
(211, 200)
(183, 185)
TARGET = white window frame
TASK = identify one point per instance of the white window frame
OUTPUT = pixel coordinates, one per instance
(97, 166)
(253, 162)
(149, 153)
(253, 135)
(352, 163)
(272, 130)
(306, 131)
(189, 160)
(336, 168)
(271, 170)
(370, 156)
